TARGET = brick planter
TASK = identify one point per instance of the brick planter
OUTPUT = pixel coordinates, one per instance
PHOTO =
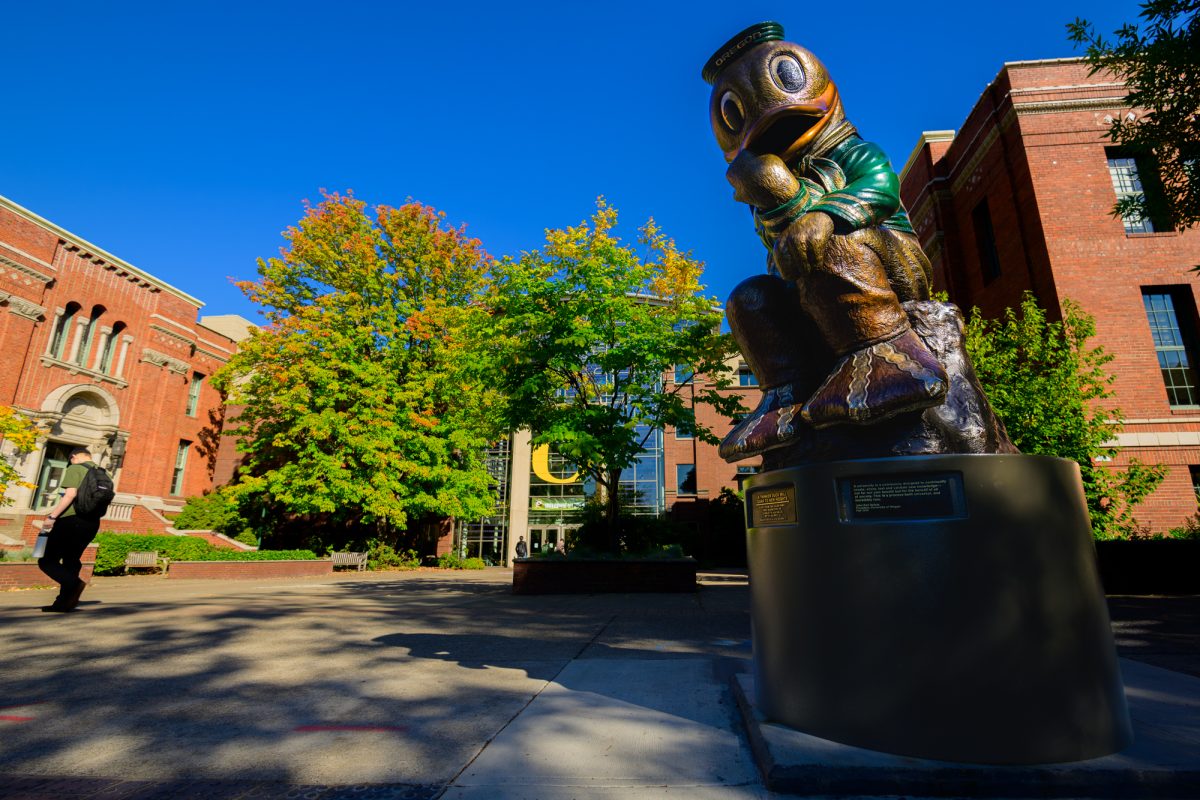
(248, 570)
(1149, 567)
(598, 576)
(25, 575)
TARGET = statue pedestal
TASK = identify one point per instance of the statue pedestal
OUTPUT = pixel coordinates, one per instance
(945, 607)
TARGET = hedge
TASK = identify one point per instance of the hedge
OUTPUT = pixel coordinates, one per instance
(113, 547)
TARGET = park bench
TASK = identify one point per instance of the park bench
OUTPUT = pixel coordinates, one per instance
(358, 560)
(145, 559)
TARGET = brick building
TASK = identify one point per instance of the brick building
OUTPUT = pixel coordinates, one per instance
(101, 354)
(1020, 198)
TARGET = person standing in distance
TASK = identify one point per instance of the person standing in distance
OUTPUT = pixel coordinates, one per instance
(522, 548)
(69, 533)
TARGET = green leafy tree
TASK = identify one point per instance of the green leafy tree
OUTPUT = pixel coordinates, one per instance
(585, 329)
(21, 435)
(219, 510)
(365, 414)
(1159, 61)
(215, 511)
(1050, 387)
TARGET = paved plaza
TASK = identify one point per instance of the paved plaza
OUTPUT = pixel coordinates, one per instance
(395, 685)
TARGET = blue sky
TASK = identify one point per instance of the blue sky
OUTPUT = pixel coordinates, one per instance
(183, 138)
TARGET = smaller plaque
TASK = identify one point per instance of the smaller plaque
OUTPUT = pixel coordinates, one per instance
(902, 498)
(773, 505)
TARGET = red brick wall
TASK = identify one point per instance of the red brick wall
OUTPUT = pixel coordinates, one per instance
(1034, 146)
(213, 539)
(247, 570)
(712, 472)
(228, 458)
(26, 575)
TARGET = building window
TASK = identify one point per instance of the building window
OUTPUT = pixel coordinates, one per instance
(180, 464)
(1171, 312)
(62, 330)
(110, 348)
(682, 373)
(684, 432)
(985, 241)
(1126, 172)
(193, 400)
(86, 334)
(746, 376)
(685, 478)
(1195, 472)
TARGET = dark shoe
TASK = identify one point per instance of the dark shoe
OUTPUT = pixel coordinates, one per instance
(58, 609)
(71, 599)
(773, 424)
(879, 382)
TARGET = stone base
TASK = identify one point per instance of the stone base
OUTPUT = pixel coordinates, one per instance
(1163, 762)
(599, 576)
(944, 607)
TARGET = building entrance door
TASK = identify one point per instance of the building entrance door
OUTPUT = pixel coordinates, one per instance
(544, 539)
(54, 464)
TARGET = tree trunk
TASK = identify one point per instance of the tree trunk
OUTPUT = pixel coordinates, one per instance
(612, 511)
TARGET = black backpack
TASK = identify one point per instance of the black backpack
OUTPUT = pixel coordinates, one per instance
(94, 494)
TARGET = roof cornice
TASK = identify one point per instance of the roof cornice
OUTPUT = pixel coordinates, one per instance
(85, 245)
(927, 137)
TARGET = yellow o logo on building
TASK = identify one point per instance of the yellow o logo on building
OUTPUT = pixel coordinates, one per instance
(541, 466)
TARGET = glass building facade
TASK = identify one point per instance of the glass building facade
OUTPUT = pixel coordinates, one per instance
(488, 538)
(556, 494)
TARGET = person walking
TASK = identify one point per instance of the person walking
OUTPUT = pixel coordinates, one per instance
(522, 548)
(69, 534)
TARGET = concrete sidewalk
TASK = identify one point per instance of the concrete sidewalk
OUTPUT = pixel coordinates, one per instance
(415, 685)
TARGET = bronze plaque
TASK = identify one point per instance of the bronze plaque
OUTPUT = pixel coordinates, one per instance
(902, 498)
(773, 505)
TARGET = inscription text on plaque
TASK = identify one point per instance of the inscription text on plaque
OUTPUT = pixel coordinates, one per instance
(773, 505)
(902, 498)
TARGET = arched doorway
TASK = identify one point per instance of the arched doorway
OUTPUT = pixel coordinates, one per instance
(76, 415)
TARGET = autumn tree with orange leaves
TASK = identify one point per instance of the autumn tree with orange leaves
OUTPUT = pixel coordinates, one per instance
(364, 413)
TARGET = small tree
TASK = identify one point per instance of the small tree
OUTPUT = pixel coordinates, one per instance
(1049, 387)
(584, 330)
(21, 435)
(364, 410)
(1160, 65)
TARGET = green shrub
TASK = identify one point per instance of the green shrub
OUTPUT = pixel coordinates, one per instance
(221, 554)
(384, 556)
(450, 561)
(455, 561)
(247, 537)
(1190, 529)
(112, 548)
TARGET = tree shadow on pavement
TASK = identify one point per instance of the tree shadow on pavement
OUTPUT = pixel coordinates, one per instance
(383, 681)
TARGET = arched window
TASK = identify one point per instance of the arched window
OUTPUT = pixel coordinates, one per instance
(110, 347)
(85, 336)
(62, 330)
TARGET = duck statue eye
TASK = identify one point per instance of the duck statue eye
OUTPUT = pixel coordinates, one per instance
(731, 112)
(787, 73)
